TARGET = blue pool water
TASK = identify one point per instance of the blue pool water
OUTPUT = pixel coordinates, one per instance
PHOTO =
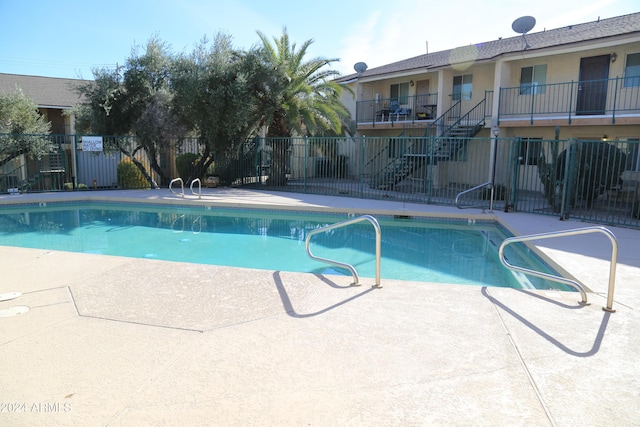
(412, 249)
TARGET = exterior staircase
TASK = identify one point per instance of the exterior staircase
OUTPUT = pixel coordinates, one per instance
(443, 139)
(50, 175)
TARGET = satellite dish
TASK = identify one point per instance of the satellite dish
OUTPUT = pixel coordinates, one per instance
(523, 25)
(360, 67)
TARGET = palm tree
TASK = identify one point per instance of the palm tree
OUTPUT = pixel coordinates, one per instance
(303, 99)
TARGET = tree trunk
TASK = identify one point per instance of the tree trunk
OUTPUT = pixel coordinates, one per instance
(279, 140)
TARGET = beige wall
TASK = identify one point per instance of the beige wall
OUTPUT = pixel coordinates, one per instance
(565, 67)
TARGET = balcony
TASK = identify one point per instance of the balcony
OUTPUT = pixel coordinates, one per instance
(594, 102)
(421, 109)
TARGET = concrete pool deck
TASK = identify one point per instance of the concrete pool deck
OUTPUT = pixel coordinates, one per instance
(128, 342)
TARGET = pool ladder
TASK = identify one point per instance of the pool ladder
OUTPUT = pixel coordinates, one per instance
(354, 273)
(575, 284)
(478, 187)
(197, 180)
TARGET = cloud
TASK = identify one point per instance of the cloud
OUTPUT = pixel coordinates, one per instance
(381, 38)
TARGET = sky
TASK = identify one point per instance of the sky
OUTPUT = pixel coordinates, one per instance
(70, 38)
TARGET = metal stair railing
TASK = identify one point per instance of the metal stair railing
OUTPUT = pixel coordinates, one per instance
(574, 283)
(354, 273)
(474, 119)
(447, 116)
(396, 168)
(455, 135)
(10, 179)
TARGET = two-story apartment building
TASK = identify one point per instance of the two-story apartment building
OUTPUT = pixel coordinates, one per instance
(52, 95)
(580, 81)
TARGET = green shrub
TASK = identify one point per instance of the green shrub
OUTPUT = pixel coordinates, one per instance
(129, 176)
(185, 164)
(588, 181)
(69, 186)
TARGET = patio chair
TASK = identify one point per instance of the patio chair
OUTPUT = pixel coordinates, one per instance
(396, 110)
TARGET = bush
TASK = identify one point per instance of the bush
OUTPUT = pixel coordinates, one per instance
(69, 186)
(597, 167)
(185, 163)
(129, 176)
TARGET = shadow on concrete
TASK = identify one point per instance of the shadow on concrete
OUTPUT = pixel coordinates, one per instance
(596, 343)
(291, 311)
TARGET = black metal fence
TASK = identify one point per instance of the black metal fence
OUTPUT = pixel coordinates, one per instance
(597, 181)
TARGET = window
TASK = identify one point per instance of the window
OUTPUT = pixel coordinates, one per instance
(533, 79)
(530, 150)
(462, 86)
(400, 93)
(632, 70)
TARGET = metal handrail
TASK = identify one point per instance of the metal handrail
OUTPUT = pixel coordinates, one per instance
(573, 283)
(477, 187)
(199, 194)
(354, 273)
(558, 99)
(181, 186)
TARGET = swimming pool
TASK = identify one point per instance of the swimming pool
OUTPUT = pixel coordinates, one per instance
(427, 250)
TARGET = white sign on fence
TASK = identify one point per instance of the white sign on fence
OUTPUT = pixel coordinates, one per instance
(91, 143)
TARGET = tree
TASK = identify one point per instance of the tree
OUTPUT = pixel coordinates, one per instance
(147, 85)
(303, 98)
(24, 128)
(103, 109)
(212, 96)
(134, 99)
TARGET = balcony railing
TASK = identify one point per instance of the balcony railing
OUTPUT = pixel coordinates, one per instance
(421, 108)
(610, 98)
(403, 108)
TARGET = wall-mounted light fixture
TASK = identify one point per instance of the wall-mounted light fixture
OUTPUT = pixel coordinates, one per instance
(614, 56)
(410, 82)
(604, 137)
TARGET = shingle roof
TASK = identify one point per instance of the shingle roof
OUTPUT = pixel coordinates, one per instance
(45, 91)
(610, 27)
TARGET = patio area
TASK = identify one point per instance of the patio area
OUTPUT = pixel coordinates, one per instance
(118, 342)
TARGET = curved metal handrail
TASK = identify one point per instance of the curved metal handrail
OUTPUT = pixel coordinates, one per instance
(573, 283)
(199, 194)
(477, 187)
(181, 186)
(354, 273)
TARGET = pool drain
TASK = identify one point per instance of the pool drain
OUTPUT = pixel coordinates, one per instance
(9, 296)
(14, 311)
